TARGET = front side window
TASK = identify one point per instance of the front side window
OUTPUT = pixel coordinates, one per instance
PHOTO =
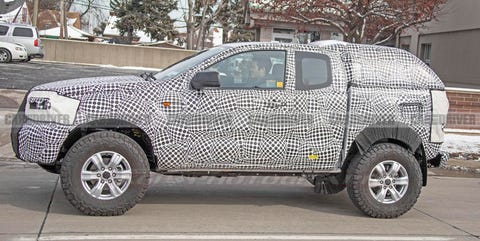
(186, 64)
(252, 70)
(313, 71)
(3, 30)
(22, 32)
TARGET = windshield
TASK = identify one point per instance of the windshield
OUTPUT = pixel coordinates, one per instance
(187, 63)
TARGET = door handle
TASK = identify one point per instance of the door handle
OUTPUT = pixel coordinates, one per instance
(276, 104)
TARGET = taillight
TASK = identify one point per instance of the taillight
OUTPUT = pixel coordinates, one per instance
(35, 42)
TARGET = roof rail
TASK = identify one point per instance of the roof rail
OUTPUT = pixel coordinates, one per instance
(328, 42)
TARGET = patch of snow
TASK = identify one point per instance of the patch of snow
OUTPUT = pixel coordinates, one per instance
(130, 67)
(462, 89)
(455, 143)
(73, 33)
(462, 131)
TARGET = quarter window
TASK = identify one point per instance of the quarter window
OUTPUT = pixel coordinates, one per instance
(252, 70)
(23, 32)
(3, 30)
(313, 71)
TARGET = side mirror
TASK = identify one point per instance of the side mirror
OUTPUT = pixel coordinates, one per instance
(205, 79)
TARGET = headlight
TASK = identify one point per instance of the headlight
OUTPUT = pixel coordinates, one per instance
(19, 49)
(39, 103)
(48, 106)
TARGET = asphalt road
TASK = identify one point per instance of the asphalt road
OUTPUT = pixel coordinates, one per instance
(26, 75)
(33, 206)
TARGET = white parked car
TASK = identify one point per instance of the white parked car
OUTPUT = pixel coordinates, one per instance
(12, 52)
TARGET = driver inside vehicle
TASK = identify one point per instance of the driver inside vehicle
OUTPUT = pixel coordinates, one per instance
(252, 70)
(256, 72)
(260, 67)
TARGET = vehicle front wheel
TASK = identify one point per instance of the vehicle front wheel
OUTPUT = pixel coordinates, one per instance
(105, 174)
(385, 182)
(5, 56)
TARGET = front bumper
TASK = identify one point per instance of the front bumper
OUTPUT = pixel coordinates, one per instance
(39, 142)
(19, 55)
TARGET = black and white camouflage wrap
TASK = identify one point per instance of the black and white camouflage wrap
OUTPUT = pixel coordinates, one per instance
(239, 129)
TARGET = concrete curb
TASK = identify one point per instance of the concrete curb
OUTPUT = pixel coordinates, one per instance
(461, 169)
(16, 163)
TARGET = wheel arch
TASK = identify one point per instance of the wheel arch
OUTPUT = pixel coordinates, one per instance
(121, 126)
(388, 132)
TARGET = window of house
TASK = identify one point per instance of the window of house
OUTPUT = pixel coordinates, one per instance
(313, 71)
(405, 47)
(22, 32)
(283, 40)
(426, 53)
(283, 30)
(3, 30)
(252, 70)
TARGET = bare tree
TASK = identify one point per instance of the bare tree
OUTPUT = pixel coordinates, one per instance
(360, 21)
(199, 17)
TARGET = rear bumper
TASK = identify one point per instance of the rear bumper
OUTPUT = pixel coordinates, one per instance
(36, 56)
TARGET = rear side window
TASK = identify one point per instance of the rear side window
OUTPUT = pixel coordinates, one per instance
(3, 30)
(313, 71)
(23, 32)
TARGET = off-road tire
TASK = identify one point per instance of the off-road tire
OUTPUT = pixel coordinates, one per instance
(9, 55)
(358, 175)
(79, 154)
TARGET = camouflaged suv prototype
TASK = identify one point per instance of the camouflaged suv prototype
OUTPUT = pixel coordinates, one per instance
(365, 118)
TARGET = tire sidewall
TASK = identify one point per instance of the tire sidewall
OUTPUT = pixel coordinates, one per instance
(79, 154)
(410, 164)
(9, 55)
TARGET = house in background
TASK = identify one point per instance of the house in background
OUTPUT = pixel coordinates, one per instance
(73, 33)
(284, 31)
(451, 47)
(48, 19)
(14, 11)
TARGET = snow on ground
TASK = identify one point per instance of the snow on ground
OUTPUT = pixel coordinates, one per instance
(130, 67)
(455, 143)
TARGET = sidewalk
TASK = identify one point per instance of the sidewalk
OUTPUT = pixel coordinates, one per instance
(464, 147)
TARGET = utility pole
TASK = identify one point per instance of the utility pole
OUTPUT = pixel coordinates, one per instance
(62, 17)
(63, 21)
(35, 12)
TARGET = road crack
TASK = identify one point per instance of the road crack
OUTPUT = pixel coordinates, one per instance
(451, 225)
(48, 209)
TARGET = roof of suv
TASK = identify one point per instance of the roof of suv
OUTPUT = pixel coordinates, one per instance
(17, 25)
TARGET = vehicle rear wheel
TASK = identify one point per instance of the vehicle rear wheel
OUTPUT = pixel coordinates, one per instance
(385, 182)
(5, 56)
(105, 174)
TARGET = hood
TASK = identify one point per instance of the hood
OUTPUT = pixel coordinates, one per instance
(82, 86)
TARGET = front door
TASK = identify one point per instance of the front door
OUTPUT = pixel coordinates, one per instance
(243, 124)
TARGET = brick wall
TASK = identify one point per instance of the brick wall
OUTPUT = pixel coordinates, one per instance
(464, 110)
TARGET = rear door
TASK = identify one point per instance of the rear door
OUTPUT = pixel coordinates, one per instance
(24, 36)
(321, 84)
